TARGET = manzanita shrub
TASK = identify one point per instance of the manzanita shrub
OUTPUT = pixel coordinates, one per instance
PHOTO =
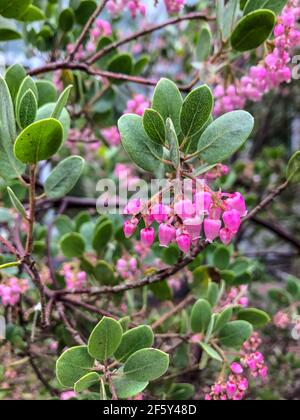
(143, 156)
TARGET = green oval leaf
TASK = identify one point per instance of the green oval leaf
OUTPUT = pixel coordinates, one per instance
(133, 340)
(84, 11)
(293, 169)
(16, 203)
(8, 31)
(275, 5)
(13, 9)
(172, 140)
(27, 84)
(167, 101)
(223, 318)
(66, 20)
(253, 30)
(39, 141)
(211, 352)
(127, 388)
(87, 381)
(255, 317)
(72, 365)
(221, 258)
(10, 167)
(72, 245)
(144, 152)
(61, 103)
(64, 177)
(46, 111)
(14, 77)
(146, 365)
(105, 339)
(154, 126)
(103, 235)
(201, 316)
(27, 109)
(235, 334)
(121, 63)
(196, 110)
(204, 44)
(104, 273)
(47, 92)
(225, 136)
(33, 14)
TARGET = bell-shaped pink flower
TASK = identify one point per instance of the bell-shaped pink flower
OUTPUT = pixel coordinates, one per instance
(236, 368)
(193, 227)
(148, 236)
(166, 234)
(203, 202)
(133, 207)
(184, 209)
(129, 228)
(212, 229)
(237, 202)
(226, 236)
(231, 388)
(184, 242)
(160, 213)
(232, 220)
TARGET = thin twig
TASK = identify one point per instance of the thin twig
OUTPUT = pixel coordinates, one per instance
(174, 311)
(86, 29)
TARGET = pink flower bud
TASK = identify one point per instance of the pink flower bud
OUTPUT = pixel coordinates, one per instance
(184, 209)
(166, 234)
(129, 228)
(133, 207)
(148, 236)
(237, 202)
(243, 384)
(232, 220)
(231, 388)
(184, 242)
(226, 236)
(236, 368)
(160, 213)
(212, 229)
(193, 227)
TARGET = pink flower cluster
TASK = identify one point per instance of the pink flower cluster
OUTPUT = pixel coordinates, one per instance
(281, 320)
(235, 387)
(116, 7)
(74, 278)
(236, 296)
(137, 105)
(12, 289)
(127, 267)
(102, 28)
(253, 359)
(271, 72)
(217, 172)
(217, 214)
(174, 6)
(112, 136)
